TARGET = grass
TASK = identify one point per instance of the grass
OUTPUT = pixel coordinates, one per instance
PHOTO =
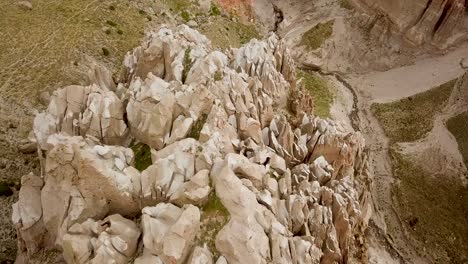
(197, 127)
(187, 63)
(218, 76)
(410, 119)
(111, 23)
(316, 36)
(40, 45)
(105, 51)
(225, 33)
(321, 91)
(458, 126)
(178, 5)
(214, 10)
(142, 154)
(346, 4)
(214, 216)
(433, 207)
(185, 16)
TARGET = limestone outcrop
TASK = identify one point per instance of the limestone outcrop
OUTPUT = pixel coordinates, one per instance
(169, 231)
(222, 144)
(112, 240)
(85, 111)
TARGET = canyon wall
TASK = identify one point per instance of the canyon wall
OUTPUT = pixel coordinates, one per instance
(438, 22)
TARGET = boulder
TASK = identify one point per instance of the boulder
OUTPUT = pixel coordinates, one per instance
(26, 5)
(147, 258)
(166, 176)
(162, 53)
(83, 111)
(85, 180)
(27, 214)
(195, 191)
(149, 111)
(169, 231)
(243, 239)
(102, 77)
(112, 240)
(200, 255)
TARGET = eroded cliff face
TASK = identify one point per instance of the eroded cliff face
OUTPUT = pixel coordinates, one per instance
(438, 22)
(295, 189)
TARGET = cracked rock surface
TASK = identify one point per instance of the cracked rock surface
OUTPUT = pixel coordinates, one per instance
(294, 188)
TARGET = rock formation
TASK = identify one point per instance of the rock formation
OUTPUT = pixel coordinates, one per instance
(422, 21)
(296, 188)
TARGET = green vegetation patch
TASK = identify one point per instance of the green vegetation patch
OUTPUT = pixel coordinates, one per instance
(218, 76)
(214, 216)
(39, 46)
(197, 127)
(214, 10)
(185, 16)
(346, 4)
(409, 119)
(458, 126)
(178, 5)
(433, 207)
(316, 36)
(187, 63)
(142, 154)
(105, 51)
(225, 33)
(320, 90)
(5, 189)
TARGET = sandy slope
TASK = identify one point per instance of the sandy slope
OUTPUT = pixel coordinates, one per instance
(405, 81)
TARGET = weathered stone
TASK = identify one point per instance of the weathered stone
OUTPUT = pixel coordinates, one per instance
(242, 239)
(83, 110)
(200, 255)
(149, 111)
(195, 191)
(244, 168)
(167, 175)
(102, 77)
(296, 191)
(169, 231)
(112, 240)
(27, 214)
(26, 5)
(421, 21)
(80, 184)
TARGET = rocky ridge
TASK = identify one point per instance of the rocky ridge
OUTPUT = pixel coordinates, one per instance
(296, 187)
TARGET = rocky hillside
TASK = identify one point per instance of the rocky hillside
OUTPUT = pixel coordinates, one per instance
(237, 173)
(206, 144)
(439, 22)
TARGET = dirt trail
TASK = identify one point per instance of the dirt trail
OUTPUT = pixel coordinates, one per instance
(385, 217)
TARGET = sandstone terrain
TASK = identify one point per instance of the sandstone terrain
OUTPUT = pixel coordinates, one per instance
(231, 131)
